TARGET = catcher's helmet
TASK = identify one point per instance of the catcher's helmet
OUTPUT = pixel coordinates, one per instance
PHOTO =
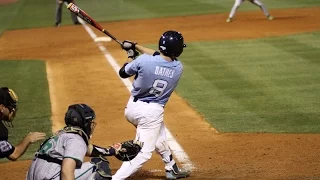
(171, 43)
(9, 99)
(82, 116)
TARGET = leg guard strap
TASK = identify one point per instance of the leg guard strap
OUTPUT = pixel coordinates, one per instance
(102, 169)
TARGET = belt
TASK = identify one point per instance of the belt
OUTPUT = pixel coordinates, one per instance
(135, 99)
(49, 159)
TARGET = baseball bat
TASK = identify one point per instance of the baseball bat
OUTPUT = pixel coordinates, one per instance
(83, 15)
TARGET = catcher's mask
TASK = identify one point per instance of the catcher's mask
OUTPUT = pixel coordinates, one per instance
(171, 44)
(82, 116)
(9, 99)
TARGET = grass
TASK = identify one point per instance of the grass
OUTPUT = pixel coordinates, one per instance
(39, 13)
(273, 90)
(263, 85)
(28, 80)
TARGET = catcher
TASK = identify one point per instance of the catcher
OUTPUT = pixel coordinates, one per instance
(61, 156)
(8, 109)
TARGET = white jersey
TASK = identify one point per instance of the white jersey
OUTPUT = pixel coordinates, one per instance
(63, 145)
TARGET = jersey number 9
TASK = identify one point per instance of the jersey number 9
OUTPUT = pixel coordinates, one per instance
(158, 87)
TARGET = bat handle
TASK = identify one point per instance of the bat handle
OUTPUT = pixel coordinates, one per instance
(119, 42)
(112, 37)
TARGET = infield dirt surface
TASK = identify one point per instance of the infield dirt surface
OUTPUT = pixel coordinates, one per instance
(78, 72)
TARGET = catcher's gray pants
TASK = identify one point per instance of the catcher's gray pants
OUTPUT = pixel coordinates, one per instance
(42, 170)
(59, 4)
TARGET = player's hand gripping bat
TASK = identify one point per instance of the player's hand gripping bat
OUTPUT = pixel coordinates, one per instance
(83, 15)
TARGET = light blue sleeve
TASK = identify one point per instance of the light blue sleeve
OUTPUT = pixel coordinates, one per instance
(133, 67)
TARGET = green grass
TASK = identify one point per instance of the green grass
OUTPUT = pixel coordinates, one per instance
(28, 80)
(39, 13)
(263, 85)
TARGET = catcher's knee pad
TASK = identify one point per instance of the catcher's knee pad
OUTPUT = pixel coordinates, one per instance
(101, 169)
(97, 176)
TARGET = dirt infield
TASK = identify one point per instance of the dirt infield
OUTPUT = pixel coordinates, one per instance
(78, 72)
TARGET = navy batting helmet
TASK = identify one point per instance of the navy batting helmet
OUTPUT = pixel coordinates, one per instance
(82, 116)
(171, 43)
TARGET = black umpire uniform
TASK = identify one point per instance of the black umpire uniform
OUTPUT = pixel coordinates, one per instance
(6, 149)
(8, 100)
(8, 109)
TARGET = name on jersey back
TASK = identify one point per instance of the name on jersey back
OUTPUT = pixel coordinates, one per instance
(162, 71)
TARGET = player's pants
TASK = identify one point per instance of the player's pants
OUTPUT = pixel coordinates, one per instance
(59, 4)
(148, 119)
(42, 170)
(258, 3)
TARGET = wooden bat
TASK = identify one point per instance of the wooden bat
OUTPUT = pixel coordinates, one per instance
(83, 15)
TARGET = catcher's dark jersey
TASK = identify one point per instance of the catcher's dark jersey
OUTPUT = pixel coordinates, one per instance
(6, 149)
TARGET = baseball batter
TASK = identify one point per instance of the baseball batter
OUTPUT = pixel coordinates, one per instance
(156, 76)
(8, 109)
(258, 3)
(61, 156)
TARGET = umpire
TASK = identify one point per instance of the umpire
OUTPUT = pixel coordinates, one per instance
(8, 109)
(59, 12)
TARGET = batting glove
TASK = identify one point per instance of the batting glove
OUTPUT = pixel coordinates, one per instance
(127, 45)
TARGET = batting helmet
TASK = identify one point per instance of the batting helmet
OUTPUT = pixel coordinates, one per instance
(82, 116)
(171, 43)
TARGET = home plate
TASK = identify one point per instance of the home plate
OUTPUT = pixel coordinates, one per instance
(102, 39)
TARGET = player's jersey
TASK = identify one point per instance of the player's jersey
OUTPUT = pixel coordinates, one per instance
(155, 78)
(6, 149)
(64, 145)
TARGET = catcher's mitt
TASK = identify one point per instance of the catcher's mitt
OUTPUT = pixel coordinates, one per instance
(127, 150)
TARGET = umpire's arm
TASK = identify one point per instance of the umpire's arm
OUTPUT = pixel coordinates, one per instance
(21, 148)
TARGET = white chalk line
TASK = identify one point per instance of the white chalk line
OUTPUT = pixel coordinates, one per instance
(175, 147)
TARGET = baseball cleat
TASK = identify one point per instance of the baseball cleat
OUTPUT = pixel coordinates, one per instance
(57, 24)
(229, 20)
(171, 175)
(270, 17)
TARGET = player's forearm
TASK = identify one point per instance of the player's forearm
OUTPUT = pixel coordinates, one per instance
(95, 151)
(145, 50)
(20, 149)
(67, 173)
(67, 176)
